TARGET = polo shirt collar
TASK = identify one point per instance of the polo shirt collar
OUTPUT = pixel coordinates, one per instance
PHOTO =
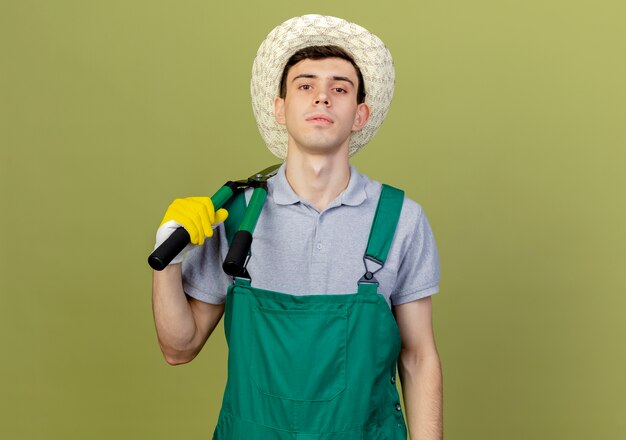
(353, 195)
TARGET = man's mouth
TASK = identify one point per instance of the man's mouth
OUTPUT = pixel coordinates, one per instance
(321, 119)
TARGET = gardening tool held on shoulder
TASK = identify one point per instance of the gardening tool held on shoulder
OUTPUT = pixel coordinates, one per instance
(240, 246)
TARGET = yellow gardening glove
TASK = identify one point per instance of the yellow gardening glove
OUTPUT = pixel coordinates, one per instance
(196, 215)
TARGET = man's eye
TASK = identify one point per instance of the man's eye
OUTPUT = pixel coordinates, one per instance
(340, 90)
(305, 87)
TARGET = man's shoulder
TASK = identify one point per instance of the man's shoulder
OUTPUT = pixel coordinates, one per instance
(410, 208)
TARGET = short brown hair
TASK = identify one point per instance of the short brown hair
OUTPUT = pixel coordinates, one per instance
(319, 53)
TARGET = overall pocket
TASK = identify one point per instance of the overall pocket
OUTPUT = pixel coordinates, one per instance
(300, 354)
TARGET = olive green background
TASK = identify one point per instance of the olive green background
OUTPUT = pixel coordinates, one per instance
(508, 126)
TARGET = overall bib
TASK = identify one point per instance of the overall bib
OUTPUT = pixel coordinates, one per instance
(315, 367)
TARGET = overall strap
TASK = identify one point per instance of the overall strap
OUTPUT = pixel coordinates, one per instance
(381, 235)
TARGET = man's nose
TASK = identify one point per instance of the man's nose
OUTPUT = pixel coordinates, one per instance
(322, 98)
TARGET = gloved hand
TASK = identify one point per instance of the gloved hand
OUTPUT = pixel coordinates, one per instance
(196, 215)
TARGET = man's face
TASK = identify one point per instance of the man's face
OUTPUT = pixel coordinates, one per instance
(320, 108)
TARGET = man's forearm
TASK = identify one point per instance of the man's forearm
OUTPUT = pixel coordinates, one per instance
(422, 390)
(173, 317)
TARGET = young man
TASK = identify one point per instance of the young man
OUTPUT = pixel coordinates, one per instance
(308, 358)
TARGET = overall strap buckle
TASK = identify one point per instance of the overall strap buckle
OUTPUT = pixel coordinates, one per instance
(369, 277)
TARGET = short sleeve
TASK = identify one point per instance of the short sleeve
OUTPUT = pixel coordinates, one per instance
(202, 273)
(418, 272)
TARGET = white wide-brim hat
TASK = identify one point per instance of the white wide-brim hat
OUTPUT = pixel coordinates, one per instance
(367, 50)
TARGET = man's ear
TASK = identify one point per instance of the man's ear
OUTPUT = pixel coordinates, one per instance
(361, 117)
(279, 110)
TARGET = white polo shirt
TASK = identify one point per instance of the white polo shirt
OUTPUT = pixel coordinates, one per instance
(299, 250)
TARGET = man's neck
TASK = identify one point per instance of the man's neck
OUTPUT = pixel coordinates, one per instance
(319, 179)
